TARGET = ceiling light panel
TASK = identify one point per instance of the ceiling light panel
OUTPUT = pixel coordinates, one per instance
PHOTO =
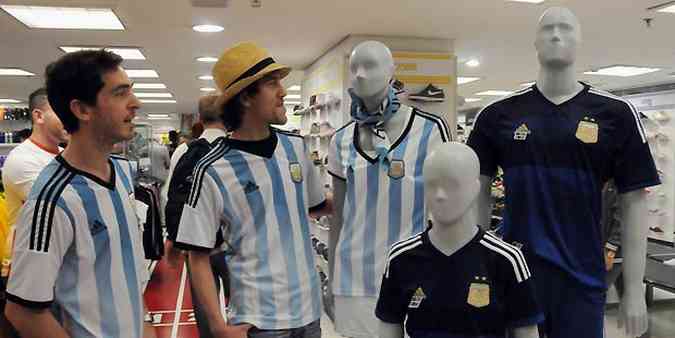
(126, 53)
(65, 17)
(209, 59)
(207, 89)
(208, 28)
(14, 72)
(495, 93)
(294, 88)
(158, 101)
(472, 99)
(205, 77)
(527, 1)
(149, 86)
(9, 101)
(622, 71)
(153, 95)
(142, 73)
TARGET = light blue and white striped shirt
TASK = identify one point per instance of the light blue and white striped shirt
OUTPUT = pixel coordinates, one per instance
(78, 249)
(261, 206)
(384, 201)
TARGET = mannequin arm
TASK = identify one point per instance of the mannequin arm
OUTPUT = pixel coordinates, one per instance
(485, 202)
(526, 332)
(389, 330)
(634, 245)
(339, 188)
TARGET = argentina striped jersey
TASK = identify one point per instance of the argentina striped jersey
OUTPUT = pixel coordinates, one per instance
(78, 249)
(261, 205)
(384, 203)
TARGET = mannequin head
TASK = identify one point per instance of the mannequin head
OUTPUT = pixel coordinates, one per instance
(558, 35)
(451, 182)
(372, 67)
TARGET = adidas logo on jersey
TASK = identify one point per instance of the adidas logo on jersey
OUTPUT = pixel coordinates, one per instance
(417, 298)
(521, 133)
(250, 187)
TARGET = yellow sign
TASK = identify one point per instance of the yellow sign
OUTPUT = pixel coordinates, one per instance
(406, 67)
(479, 295)
(587, 132)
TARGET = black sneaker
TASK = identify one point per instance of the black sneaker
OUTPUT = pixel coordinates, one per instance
(429, 94)
(399, 87)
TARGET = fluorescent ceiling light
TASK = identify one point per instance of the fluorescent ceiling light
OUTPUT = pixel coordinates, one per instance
(126, 53)
(527, 84)
(14, 72)
(473, 63)
(165, 95)
(472, 99)
(294, 88)
(9, 101)
(208, 28)
(209, 59)
(160, 118)
(623, 71)
(464, 80)
(207, 89)
(667, 9)
(65, 17)
(158, 101)
(205, 77)
(141, 73)
(292, 102)
(149, 86)
(157, 115)
(528, 1)
(293, 96)
(494, 93)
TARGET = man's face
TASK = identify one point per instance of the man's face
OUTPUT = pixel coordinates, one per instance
(267, 106)
(558, 36)
(52, 124)
(116, 107)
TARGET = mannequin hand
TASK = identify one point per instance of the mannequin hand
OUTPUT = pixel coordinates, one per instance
(633, 314)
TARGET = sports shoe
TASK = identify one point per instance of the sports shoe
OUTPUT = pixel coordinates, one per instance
(429, 94)
(315, 129)
(656, 229)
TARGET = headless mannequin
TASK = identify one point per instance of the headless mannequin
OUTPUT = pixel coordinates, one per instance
(451, 188)
(558, 35)
(372, 67)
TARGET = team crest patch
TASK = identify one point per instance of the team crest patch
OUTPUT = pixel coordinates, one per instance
(417, 298)
(521, 133)
(296, 172)
(479, 294)
(396, 169)
(587, 131)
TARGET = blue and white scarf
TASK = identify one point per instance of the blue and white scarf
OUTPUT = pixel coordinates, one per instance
(375, 121)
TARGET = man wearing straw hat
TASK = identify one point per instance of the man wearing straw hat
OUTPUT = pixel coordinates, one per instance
(255, 189)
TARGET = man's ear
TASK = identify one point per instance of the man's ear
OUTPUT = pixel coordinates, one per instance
(81, 110)
(37, 115)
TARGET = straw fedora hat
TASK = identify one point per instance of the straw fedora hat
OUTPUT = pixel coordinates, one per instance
(240, 66)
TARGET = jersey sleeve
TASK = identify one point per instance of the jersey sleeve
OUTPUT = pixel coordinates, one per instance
(336, 166)
(19, 175)
(482, 142)
(521, 307)
(315, 187)
(633, 164)
(201, 216)
(392, 302)
(39, 248)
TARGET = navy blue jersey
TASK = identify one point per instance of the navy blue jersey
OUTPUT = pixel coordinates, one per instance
(556, 159)
(481, 290)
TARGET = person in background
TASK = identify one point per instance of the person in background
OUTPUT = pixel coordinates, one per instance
(159, 160)
(173, 141)
(22, 166)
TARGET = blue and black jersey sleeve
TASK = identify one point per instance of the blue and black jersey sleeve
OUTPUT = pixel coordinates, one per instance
(521, 307)
(482, 141)
(633, 164)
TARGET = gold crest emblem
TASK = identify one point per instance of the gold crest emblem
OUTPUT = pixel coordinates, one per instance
(417, 298)
(479, 295)
(587, 131)
(296, 172)
(396, 169)
(521, 133)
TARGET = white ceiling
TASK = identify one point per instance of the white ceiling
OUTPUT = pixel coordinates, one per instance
(499, 33)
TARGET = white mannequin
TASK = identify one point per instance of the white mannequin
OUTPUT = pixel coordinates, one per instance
(558, 35)
(451, 179)
(372, 67)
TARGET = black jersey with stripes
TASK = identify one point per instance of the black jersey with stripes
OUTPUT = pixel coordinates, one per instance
(482, 290)
(556, 159)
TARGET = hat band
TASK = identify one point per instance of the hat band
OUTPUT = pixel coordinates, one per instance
(253, 70)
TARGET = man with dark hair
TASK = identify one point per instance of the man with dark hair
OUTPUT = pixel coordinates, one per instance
(255, 188)
(77, 254)
(23, 165)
